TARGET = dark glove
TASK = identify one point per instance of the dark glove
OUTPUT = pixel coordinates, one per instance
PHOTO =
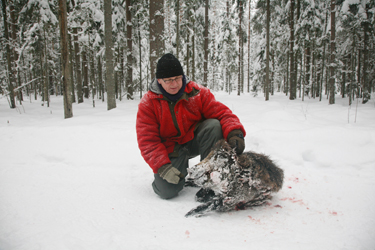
(170, 174)
(236, 140)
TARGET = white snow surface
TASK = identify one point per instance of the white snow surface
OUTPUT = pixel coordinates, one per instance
(81, 183)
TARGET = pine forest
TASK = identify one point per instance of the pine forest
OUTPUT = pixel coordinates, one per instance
(91, 50)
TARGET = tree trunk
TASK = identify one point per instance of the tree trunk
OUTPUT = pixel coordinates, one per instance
(323, 59)
(140, 58)
(213, 84)
(297, 55)
(314, 70)
(366, 49)
(109, 76)
(115, 61)
(71, 63)
(248, 49)
(286, 87)
(35, 84)
(298, 77)
(352, 70)
(188, 52)
(78, 65)
(359, 73)
(85, 74)
(177, 11)
(156, 33)
(267, 83)
(205, 63)
(307, 66)
(293, 85)
(129, 52)
(242, 56)
(193, 47)
(93, 84)
(272, 81)
(14, 53)
(45, 71)
(240, 47)
(12, 102)
(343, 80)
(100, 78)
(121, 71)
(66, 80)
(333, 54)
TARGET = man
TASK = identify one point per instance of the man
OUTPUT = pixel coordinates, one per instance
(179, 119)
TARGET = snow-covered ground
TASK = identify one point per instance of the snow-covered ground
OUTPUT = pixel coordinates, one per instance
(81, 183)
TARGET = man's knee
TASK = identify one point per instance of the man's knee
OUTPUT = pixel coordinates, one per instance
(208, 134)
(165, 189)
(215, 127)
(211, 128)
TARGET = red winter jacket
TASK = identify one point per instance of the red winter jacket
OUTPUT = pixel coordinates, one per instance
(162, 123)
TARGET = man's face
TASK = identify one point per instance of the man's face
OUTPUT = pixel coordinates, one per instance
(172, 84)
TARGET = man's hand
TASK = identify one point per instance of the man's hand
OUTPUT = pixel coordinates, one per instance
(236, 140)
(170, 173)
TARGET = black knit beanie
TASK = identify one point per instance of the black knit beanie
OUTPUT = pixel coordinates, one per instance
(168, 66)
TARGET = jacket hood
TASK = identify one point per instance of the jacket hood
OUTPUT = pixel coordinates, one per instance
(154, 85)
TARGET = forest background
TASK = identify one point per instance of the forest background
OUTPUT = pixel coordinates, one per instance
(107, 50)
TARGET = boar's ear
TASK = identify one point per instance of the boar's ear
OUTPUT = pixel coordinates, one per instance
(222, 145)
(226, 146)
(223, 149)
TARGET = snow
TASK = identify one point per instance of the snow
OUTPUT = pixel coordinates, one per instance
(347, 3)
(81, 183)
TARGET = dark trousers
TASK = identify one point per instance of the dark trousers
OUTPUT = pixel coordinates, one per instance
(205, 137)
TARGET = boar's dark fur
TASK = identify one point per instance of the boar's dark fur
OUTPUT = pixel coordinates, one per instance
(234, 182)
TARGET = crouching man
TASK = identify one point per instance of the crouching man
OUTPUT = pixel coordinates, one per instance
(179, 119)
